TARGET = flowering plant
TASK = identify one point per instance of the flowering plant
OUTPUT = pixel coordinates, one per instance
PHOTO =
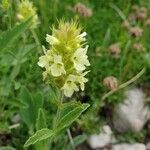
(64, 64)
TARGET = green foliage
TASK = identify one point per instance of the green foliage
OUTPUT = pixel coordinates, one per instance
(7, 38)
(33, 104)
(7, 148)
(77, 141)
(38, 136)
(21, 78)
(67, 114)
(41, 120)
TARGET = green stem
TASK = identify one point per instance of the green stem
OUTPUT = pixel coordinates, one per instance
(57, 116)
(36, 39)
(124, 84)
(71, 139)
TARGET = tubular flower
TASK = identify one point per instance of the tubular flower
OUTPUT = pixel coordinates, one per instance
(57, 68)
(45, 60)
(27, 10)
(51, 40)
(66, 58)
(80, 59)
(70, 86)
(82, 80)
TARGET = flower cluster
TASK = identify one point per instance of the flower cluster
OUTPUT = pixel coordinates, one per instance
(66, 59)
(27, 10)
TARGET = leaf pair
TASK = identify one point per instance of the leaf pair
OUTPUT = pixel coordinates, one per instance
(68, 113)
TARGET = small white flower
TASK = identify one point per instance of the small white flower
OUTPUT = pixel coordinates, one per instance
(45, 60)
(80, 59)
(51, 40)
(82, 80)
(20, 17)
(70, 86)
(82, 36)
(57, 68)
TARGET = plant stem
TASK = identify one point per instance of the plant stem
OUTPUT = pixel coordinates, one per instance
(68, 130)
(58, 110)
(36, 39)
(125, 84)
(71, 139)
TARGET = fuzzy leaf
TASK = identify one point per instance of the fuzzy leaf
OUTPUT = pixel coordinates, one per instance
(41, 120)
(39, 136)
(33, 103)
(8, 37)
(74, 111)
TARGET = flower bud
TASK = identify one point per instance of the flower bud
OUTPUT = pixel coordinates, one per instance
(136, 32)
(110, 83)
(147, 23)
(142, 13)
(82, 10)
(115, 49)
(135, 8)
(138, 47)
(125, 25)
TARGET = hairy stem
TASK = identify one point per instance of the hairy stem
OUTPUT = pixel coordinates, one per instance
(124, 84)
(68, 130)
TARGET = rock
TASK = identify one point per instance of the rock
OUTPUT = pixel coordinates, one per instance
(103, 139)
(125, 146)
(132, 114)
(148, 146)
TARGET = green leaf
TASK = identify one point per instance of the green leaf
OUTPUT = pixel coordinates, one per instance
(54, 95)
(39, 136)
(41, 120)
(70, 114)
(26, 113)
(7, 148)
(33, 103)
(77, 140)
(7, 38)
(16, 103)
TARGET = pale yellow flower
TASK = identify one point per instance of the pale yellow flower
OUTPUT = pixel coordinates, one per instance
(57, 68)
(70, 86)
(51, 40)
(80, 59)
(44, 61)
(82, 80)
(81, 37)
(66, 60)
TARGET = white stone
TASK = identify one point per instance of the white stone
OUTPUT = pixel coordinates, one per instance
(148, 146)
(132, 114)
(102, 139)
(124, 146)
